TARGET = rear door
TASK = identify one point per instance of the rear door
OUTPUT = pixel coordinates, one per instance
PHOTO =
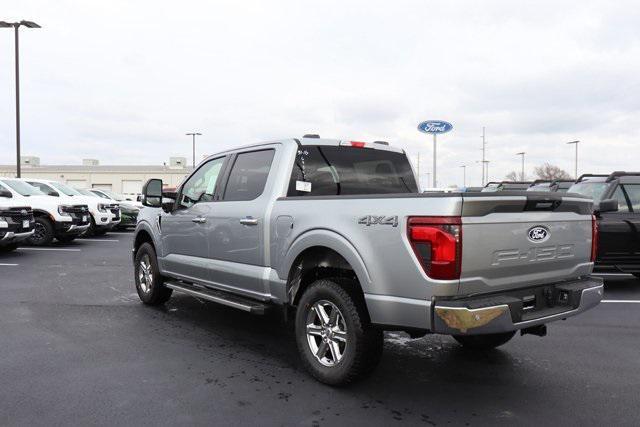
(236, 226)
(184, 230)
(521, 240)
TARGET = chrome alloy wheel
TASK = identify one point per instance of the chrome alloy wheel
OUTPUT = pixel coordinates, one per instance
(326, 332)
(145, 274)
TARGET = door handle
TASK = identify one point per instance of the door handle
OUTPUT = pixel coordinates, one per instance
(199, 220)
(249, 221)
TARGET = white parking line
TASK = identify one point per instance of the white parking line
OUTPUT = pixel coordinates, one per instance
(50, 249)
(8, 265)
(123, 234)
(98, 240)
(629, 301)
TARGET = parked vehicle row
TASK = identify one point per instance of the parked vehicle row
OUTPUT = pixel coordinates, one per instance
(37, 211)
(337, 234)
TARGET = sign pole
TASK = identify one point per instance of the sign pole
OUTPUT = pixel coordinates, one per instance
(435, 127)
(434, 160)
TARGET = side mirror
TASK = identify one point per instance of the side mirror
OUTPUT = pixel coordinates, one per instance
(152, 193)
(139, 198)
(607, 205)
(5, 193)
(53, 193)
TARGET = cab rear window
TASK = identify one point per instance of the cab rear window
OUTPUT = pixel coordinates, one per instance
(333, 171)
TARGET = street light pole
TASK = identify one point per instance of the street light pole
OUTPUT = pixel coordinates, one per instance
(464, 175)
(193, 135)
(522, 153)
(15, 26)
(576, 164)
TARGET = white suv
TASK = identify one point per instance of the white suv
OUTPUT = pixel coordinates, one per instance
(16, 221)
(104, 216)
(52, 219)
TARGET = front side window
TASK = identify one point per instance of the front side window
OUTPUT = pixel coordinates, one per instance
(46, 189)
(633, 192)
(248, 175)
(336, 170)
(23, 188)
(201, 186)
(65, 189)
(623, 206)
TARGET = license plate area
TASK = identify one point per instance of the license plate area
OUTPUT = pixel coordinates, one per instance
(25, 223)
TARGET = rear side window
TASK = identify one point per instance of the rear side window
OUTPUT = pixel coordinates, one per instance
(633, 191)
(248, 175)
(622, 200)
(334, 171)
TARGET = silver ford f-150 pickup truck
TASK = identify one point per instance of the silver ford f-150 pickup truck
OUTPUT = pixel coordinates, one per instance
(338, 236)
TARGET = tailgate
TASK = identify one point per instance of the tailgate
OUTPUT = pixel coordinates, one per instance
(523, 239)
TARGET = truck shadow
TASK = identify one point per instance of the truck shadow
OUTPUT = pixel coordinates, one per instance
(407, 367)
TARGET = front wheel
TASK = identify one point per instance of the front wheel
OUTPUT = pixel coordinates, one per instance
(43, 232)
(149, 282)
(335, 339)
(484, 342)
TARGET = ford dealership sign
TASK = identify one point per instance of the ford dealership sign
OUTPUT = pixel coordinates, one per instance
(435, 126)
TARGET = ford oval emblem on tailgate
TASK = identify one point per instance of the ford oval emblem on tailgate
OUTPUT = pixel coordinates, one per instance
(538, 234)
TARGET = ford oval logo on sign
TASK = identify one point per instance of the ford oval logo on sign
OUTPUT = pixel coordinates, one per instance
(538, 234)
(435, 126)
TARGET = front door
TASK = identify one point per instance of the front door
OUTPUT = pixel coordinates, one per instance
(184, 230)
(237, 224)
(616, 239)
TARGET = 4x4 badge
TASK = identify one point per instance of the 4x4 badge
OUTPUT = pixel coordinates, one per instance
(379, 220)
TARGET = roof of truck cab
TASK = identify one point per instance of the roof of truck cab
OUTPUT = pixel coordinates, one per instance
(310, 141)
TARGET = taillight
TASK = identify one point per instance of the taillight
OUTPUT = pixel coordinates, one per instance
(594, 237)
(437, 242)
(357, 144)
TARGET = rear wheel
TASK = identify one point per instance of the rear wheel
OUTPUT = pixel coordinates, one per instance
(335, 339)
(149, 282)
(42, 232)
(484, 342)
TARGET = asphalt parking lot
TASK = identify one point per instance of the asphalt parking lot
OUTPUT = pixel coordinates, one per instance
(77, 346)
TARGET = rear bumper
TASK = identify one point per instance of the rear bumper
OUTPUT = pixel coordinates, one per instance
(510, 311)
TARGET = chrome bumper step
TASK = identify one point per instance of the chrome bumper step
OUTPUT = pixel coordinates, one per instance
(221, 297)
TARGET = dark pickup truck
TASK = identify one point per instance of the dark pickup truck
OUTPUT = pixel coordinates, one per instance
(616, 200)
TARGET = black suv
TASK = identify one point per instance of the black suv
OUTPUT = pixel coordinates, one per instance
(616, 200)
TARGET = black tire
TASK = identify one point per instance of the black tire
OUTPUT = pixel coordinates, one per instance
(66, 239)
(100, 231)
(43, 232)
(92, 228)
(151, 292)
(484, 342)
(362, 346)
(8, 248)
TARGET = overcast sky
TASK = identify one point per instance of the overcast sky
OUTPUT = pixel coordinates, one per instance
(122, 81)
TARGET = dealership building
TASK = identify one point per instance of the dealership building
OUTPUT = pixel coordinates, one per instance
(124, 179)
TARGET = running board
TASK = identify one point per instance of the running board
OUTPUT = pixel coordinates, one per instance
(221, 297)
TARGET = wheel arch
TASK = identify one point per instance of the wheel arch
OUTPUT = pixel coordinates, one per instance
(322, 254)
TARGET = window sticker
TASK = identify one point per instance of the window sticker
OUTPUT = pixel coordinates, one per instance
(303, 186)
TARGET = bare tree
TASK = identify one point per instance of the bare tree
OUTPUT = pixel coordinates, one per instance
(512, 176)
(550, 172)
